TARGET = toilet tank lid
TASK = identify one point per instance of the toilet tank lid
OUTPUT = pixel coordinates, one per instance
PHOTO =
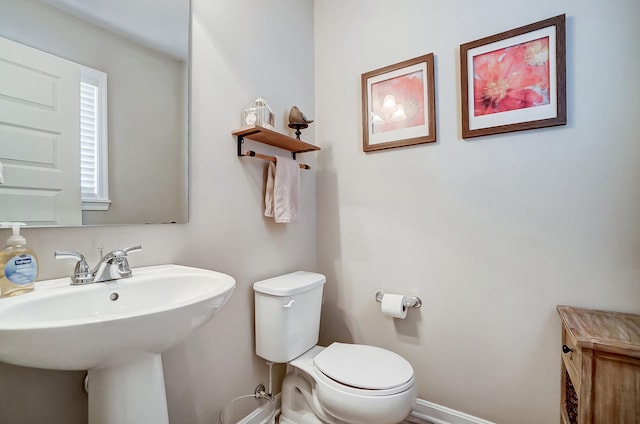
(290, 284)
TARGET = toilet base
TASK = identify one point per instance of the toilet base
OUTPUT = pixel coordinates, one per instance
(301, 418)
(298, 404)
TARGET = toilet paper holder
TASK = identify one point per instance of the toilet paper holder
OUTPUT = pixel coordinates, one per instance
(411, 302)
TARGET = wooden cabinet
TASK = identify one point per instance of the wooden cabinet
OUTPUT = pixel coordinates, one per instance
(600, 381)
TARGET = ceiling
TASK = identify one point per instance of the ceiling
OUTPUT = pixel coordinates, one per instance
(160, 24)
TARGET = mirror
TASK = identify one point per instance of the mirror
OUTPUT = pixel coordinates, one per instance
(142, 47)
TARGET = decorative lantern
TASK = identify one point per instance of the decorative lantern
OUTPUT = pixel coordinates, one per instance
(259, 113)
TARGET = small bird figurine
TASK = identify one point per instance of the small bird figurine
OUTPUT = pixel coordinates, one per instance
(297, 119)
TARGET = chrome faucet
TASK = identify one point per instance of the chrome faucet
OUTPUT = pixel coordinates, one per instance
(113, 266)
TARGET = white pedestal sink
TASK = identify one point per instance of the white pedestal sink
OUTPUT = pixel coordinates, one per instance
(116, 330)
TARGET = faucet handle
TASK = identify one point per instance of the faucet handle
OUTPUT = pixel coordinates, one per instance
(128, 250)
(81, 273)
(123, 263)
(66, 254)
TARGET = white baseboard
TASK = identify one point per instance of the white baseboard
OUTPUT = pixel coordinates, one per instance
(437, 414)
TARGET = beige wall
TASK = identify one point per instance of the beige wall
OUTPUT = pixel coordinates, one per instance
(241, 50)
(493, 232)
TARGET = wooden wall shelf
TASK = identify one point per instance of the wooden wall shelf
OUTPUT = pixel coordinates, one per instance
(272, 138)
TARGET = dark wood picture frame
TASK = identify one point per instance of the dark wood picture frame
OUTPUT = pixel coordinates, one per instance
(515, 80)
(398, 105)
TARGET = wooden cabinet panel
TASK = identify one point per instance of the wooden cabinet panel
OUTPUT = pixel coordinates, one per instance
(616, 389)
(572, 357)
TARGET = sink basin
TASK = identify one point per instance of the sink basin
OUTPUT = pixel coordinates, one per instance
(116, 330)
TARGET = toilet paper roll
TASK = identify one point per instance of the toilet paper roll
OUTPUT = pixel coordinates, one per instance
(393, 306)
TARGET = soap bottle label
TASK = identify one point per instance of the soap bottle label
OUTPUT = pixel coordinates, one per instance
(21, 269)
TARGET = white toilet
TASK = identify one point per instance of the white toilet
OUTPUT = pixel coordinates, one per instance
(343, 383)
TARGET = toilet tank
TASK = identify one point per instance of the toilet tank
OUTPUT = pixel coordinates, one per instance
(287, 315)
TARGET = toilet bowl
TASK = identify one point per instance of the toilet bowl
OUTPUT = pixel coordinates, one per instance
(347, 383)
(340, 384)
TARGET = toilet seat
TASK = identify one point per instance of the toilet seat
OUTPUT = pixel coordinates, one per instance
(364, 370)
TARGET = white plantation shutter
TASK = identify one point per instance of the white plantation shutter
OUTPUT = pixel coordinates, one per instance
(93, 140)
(88, 140)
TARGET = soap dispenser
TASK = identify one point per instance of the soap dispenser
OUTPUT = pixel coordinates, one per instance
(18, 264)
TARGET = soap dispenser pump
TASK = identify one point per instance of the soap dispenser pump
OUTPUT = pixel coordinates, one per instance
(18, 263)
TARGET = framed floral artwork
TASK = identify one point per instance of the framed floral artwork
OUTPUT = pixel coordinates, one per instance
(398, 105)
(515, 80)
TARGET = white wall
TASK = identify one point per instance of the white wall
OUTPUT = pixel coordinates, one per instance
(492, 232)
(241, 50)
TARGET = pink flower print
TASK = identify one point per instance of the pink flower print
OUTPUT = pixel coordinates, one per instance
(512, 78)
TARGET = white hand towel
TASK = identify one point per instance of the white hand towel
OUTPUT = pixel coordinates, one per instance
(281, 194)
(1, 176)
(285, 190)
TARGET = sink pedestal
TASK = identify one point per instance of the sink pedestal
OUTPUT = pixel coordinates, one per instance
(130, 393)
